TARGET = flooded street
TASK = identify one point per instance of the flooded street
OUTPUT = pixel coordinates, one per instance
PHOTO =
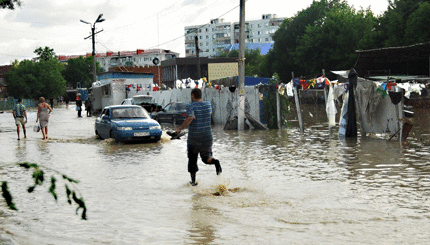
(284, 188)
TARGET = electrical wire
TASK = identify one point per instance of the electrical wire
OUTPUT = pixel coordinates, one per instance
(172, 40)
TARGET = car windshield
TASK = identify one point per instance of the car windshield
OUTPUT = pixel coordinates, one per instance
(129, 112)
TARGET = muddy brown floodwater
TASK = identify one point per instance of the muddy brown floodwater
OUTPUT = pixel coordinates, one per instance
(280, 187)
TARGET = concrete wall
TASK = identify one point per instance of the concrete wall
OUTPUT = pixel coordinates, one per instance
(224, 103)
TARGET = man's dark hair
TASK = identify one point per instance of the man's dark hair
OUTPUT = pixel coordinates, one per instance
(19, 100)
(197, 93)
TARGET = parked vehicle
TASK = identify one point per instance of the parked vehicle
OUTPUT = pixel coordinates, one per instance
(126, 102)
(126, 123)
(174, 113)
(143, 100)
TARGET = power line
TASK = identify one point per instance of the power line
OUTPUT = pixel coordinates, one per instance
(13, 55)
(172, 40)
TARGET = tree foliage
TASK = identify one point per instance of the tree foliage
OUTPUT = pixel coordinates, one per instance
(9, 4)
(34, 79)
(327, 33)
(323, 36)
(79, 70)
(288, 37)
(39, 178)
(331, 41)
(416, 30)
(45, 54)
(253, 60)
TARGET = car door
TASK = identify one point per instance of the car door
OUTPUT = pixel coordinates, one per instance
(105, 124)
(171, 113)
(162, 116)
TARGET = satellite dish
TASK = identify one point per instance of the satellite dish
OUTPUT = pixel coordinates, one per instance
(156, 61)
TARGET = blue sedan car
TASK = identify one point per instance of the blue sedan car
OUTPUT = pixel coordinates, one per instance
(126, 123)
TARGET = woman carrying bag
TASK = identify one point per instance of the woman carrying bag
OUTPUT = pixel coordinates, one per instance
(43, 111)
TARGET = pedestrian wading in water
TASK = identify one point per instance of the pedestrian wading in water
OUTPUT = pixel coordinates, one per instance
(43, 111)
(19, 114)
(200, 137)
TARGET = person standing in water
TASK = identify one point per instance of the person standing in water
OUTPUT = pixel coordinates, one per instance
(19, 114)
(79, 105)
(43, 111)
(199, 134)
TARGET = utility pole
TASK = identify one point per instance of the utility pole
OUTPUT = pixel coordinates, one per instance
(93, 28)
(241, 107)
(196, 39)
(94, 53)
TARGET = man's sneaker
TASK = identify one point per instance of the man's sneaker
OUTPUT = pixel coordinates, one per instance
(193, 183)
(217, 166)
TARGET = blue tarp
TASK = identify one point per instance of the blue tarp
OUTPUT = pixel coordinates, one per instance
(251, 81)
(264, 47)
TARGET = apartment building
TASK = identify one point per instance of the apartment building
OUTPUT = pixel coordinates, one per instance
(216, 36)
(141, 61)
(140, 57)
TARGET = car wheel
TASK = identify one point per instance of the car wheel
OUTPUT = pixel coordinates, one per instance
(174, 121)
(98, 135)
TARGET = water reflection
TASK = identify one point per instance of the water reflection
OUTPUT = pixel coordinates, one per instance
(202, 218)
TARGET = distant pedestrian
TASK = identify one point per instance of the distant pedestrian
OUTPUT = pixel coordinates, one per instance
(51, 103)
(88, 107)
(43, 111)
(19, 114)
(66, 99)
(79, 105)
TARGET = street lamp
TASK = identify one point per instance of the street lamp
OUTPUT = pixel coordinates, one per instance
(93, 28)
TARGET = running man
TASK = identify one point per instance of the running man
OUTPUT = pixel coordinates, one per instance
(199, 134)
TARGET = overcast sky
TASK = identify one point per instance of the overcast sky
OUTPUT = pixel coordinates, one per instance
(129, 25)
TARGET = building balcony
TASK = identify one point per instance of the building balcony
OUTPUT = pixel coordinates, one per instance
(222, 38)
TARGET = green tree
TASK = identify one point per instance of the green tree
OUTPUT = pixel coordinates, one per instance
(394, 22)
(253, 60)
(79, 70)
(331, 41)
(32, 79)
(9, 4)
(288, 37)
(417, 25)
(45, 54)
